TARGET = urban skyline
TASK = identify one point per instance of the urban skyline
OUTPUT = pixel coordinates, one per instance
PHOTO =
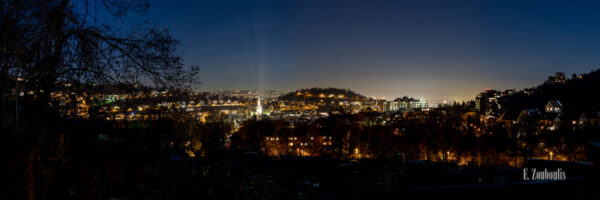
(434, 102)
(434, 50)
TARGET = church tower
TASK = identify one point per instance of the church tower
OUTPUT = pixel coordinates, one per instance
(258, 108)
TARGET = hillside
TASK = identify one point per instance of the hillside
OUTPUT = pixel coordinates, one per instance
(323, 93)
(577, 95)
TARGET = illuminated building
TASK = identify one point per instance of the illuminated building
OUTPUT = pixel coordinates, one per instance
(559, 77)
(403, 103)
(258, 108)
(487, 102)
(553, 106)
(410, 103)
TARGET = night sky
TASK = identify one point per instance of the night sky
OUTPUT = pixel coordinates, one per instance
(425, 49)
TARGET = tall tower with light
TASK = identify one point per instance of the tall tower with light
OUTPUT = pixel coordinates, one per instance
(258, 109)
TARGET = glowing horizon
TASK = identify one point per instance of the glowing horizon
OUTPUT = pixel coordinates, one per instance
(437, 50)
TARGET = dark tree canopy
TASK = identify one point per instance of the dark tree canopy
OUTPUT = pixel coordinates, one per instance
(46, 43)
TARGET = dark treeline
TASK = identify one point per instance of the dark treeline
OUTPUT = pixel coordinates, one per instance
(435, 136)
(577, 93)
(180, 157)
(151, 159)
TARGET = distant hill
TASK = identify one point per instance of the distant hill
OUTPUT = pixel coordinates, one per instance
(579, 94)
(323, 93)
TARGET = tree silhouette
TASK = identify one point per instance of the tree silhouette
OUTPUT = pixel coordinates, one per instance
(44, 43)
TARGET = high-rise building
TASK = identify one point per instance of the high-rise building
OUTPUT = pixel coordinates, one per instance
(411, 103)
(487, 102)
(383, 105)
(403, 103)
(394, 106)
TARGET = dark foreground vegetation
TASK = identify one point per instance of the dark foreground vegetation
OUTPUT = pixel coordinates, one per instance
(123, 160)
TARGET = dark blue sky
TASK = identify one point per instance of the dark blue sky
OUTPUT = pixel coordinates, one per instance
(426, 49)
